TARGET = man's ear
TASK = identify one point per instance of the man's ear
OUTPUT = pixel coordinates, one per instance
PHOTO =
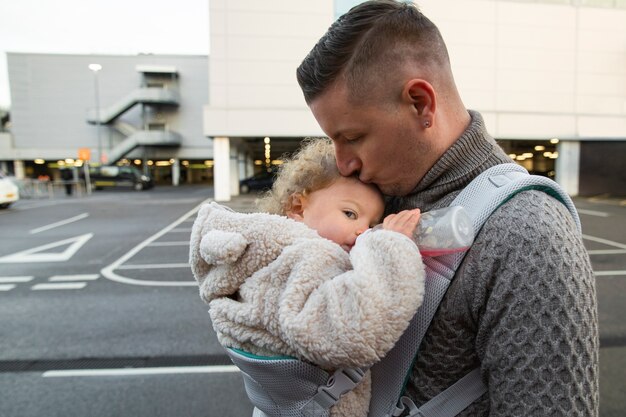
(296, 211)
(421, 94)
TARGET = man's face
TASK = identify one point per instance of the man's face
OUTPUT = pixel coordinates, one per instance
(383, 143)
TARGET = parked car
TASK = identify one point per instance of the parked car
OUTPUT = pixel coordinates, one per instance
(261, 181)
(115, 176)
(9, 193)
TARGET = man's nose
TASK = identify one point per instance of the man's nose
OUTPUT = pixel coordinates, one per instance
(347, 163)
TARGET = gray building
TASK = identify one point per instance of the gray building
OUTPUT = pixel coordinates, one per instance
(141, 110)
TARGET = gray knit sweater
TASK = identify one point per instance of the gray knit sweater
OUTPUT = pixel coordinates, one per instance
(522, 306)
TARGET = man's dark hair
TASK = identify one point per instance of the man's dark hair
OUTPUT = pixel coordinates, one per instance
(367, 42)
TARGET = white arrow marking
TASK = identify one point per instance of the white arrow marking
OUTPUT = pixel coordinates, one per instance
(38, 254)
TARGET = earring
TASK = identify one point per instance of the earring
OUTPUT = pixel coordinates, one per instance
(427, 124)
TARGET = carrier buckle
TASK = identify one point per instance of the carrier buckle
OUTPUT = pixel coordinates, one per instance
(341, 382)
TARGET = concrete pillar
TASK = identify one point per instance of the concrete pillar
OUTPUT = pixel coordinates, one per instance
(221, 168)
(176, 172)
(234, 171)
(18, 167)
(241, 164)
(568, 166)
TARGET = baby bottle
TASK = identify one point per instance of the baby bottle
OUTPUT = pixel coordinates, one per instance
(443, 231)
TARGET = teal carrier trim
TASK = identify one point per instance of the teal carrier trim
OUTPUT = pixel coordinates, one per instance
(292, 388)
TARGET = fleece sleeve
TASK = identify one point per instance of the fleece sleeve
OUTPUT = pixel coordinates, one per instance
(354, 317)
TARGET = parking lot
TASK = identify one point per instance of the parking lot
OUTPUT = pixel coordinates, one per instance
(100, 315)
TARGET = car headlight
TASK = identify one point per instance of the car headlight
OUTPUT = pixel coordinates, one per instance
(144, 178)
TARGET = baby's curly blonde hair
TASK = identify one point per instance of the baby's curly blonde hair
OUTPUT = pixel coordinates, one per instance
(312, 168)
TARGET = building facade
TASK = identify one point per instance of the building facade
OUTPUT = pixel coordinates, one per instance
(548, 76)
(142, 110)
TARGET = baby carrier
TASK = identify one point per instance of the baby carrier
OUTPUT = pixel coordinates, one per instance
(287, 387)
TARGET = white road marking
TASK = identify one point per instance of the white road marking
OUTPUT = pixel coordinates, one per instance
(183, 243)
(60, 286)
(59, 223)
(35, 255)
(153, 266)
(605, 241)
(6, 287)
(593, 213)
(83, 277)
(142, 371)
(5, 280)
(606, 252)
(609, 273)
(109, 271)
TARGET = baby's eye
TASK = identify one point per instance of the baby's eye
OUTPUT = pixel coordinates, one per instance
(350, 214)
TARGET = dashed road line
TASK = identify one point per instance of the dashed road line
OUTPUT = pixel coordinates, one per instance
(605, 241)
(153, 266)
(607, 252)
(17, 279)
(6, 287)
(181, 243)
(593, 213)
(59, 223)
(142, 371)
(83, 277)
(59, 286)
(609, 273)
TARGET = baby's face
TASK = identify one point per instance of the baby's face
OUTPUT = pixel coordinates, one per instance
(343, 210)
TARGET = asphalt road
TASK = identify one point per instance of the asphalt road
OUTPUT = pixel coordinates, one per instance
(100, 316)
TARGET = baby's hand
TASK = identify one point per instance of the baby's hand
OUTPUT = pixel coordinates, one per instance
(404, 222)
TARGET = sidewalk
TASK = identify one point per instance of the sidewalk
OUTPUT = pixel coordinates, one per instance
(243, 203)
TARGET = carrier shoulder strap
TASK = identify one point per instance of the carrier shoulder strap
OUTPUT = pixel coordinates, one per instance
(481, 198)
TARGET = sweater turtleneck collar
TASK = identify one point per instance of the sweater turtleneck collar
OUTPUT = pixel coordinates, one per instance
(472, 153)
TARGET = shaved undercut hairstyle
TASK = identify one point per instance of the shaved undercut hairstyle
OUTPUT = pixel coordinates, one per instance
(367, 44)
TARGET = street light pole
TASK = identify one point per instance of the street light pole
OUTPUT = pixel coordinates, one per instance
(95, 68)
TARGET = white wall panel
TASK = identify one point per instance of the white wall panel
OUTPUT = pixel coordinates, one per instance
(592, 104)
(529, 101)
(534, 126)
(557, 65)
(261, 122)
(602, 127)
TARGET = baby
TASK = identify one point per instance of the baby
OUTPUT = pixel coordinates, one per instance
(302, 280)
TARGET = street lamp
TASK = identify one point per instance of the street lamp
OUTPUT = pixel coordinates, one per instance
(95, 68)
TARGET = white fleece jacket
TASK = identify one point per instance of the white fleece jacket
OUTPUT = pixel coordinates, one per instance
(274, 286)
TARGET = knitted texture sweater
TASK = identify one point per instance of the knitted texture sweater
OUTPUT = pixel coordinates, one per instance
(522, 306)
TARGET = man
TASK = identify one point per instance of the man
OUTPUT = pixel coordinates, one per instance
(522, 306)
